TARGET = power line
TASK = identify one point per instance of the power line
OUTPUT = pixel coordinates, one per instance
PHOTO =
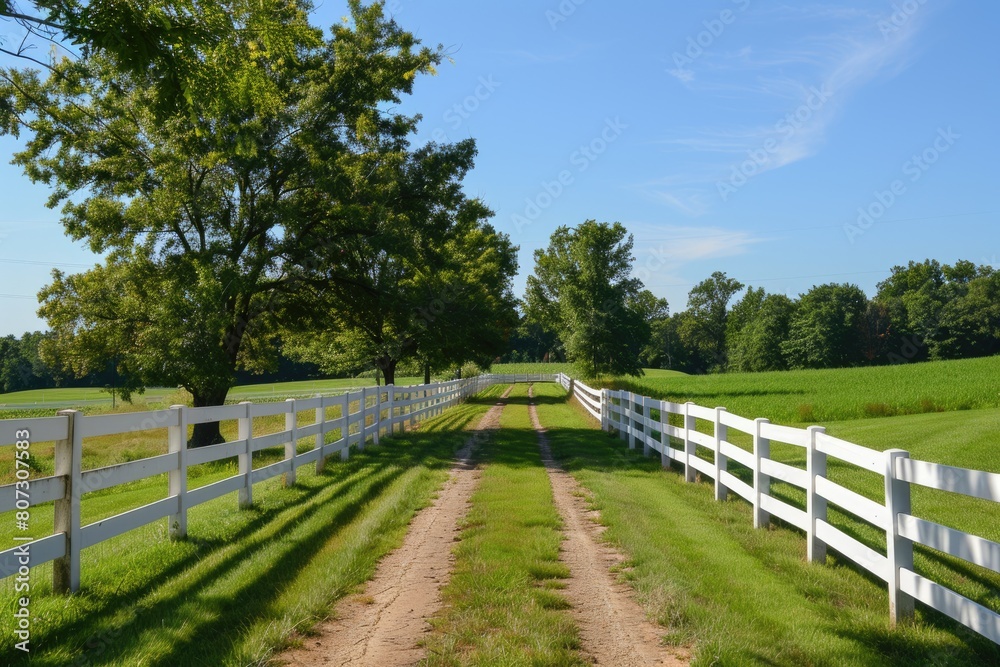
(806, 229)
(36, 262)
(818, 275)
(17, 296)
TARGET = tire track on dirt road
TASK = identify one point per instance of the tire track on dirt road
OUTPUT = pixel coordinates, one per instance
(613, 628)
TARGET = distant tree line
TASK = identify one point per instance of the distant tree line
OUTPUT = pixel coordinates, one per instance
(23, 366)
(923, 311)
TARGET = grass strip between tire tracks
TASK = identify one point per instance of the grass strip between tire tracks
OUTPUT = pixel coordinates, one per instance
(502, 605)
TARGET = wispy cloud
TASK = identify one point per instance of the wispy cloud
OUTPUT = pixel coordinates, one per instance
(663, 250)
(799, 86)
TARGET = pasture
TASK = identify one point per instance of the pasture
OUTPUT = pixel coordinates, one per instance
(828, 395)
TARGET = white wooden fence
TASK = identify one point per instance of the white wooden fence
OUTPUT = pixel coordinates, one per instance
(384, 409)
(632, 417)
(377, 410)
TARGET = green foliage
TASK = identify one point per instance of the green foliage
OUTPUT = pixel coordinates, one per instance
(827, 328)
(582, 290)
(703, 330)
(944, 312)
(210, 215)
(757, 325)
(429, 281)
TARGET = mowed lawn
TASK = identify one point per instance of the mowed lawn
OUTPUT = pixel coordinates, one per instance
(245, 582)
(739, 596)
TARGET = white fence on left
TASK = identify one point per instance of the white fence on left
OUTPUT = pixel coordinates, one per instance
(377, 410)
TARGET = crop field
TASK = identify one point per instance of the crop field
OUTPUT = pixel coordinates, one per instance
(822, 396)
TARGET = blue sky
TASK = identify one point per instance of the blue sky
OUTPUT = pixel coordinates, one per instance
(787, 144)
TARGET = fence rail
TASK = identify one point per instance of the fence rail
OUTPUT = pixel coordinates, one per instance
(377, 410)
(641, 420)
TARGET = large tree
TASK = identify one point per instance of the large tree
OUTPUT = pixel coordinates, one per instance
(431, 281)
(758, 324)
(165, 38)
(704, 331)
(827, 330)
(582, 288)
(208, 214)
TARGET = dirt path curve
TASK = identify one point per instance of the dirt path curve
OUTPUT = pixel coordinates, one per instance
(613, 628)
(382, 626)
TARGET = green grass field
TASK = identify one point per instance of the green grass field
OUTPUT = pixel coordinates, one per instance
(734, 594)
(822, 396)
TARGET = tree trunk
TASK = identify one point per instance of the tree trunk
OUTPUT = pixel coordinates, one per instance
(427, 373)
(208, 433)
(388, 368)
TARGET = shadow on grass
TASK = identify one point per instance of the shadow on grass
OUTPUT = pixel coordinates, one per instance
(364, 478)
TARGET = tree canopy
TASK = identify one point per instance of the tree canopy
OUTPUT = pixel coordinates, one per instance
(215, 215)
(582, 289)
(431, 281)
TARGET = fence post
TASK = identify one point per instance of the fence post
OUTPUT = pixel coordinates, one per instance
(68, 461)
(815, 504)
(363, 418)
(345, 425)
(411, 399)
(604, 411)
(664, 435)
(321, 436)
(291, 447)
(899, 549)
(246, 458)
(721, 461)
(391, 397)
(177, 478)
(377, 420)
(647, 431)
(630, 419)
(761, 482)
(622, 435)
(689, 445)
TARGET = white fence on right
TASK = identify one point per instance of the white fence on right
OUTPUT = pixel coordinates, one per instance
(644, 420)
